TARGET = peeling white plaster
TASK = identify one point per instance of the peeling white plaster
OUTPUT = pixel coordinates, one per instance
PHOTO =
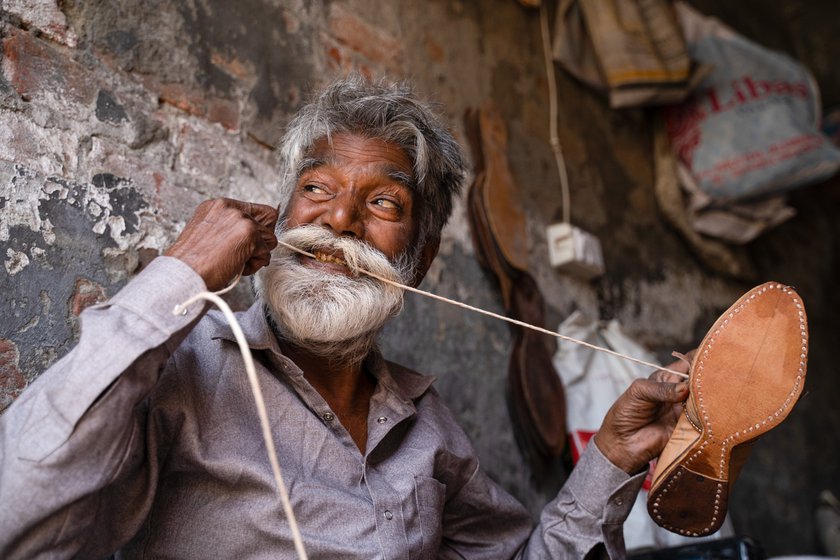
(98, 196)
(29, 190)
(19, 210)
(48, 232)
(116, 225)
(16, 262)
(44, 146)
(40, 256)
(97, 203)
(94, 209)
(153, 235)
(50, 188)
(99, 227)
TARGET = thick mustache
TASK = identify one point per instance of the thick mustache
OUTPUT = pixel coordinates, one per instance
(355, 254)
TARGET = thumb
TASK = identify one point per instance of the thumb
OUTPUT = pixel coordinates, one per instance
(660, 391)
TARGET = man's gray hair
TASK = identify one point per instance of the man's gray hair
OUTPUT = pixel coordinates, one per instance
(389, 112)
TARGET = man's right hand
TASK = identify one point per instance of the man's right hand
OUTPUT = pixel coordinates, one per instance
(224, 237)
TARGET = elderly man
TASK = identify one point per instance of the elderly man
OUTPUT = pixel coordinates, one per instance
(144, 440)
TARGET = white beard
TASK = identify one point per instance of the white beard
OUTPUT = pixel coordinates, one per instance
(329, 314)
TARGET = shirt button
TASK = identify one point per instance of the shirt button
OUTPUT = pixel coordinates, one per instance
(382, 420)
(329, 416)
(388, 515)
(618, 501)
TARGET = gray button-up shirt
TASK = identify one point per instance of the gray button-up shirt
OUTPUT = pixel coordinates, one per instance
(145, 438)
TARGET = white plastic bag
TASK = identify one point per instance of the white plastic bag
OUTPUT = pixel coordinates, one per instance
(747, 135)
(751, 127)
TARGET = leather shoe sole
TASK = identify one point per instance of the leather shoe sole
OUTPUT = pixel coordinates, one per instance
(745, 377)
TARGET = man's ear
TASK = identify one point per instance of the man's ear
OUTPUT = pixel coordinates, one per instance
(427, 255)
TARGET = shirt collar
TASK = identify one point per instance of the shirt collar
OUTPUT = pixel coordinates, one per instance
(254, 324)
(405, 383)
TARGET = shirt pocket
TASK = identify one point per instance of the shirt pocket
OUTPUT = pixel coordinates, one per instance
(430, 494)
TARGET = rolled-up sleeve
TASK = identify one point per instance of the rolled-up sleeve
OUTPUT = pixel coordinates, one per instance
(82, 424)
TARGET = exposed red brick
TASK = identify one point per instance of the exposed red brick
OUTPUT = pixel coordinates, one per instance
(232, 66)
(85, 294)
(334, 57)
(214, 109)
(223, 111)
(340, 59)
(158, 177)
(34, 68)
(363, 38)
(12, 381)
(179, 96)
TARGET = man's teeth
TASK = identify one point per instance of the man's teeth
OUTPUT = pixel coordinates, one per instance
(324, 257)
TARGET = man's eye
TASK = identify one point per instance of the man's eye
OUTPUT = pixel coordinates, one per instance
(315, 189)
(387, 203)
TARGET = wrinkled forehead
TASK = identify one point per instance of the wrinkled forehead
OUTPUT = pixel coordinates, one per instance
(345, 150)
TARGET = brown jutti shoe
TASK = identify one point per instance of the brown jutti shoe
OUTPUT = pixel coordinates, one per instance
(745, 377)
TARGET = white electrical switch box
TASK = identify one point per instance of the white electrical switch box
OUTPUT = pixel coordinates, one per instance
(574, 251)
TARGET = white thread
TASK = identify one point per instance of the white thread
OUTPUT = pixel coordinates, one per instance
(501, 317)
(214, 298)
(232, 285)
(261, 408)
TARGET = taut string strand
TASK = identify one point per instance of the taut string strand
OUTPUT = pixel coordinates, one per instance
(258, 397)
(214, 298)
(502, 317)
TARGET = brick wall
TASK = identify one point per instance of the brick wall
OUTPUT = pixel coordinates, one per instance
(117, 117)
(110, 137)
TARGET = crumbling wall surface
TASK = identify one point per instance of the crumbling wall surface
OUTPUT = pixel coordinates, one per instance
(118, 117)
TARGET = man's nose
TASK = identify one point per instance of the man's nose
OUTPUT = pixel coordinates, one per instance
(343, 215)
